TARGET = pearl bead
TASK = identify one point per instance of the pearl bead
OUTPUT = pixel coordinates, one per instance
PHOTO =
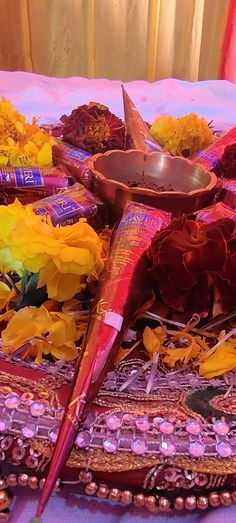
(164, 505)
(150, 501)
(85, 477)
(5, 500)
(23, 480)
(225, 498)
(33, 482)
(103, 491)
(179, 503)
(91, 488)
(214, 499)
(2, 484)
(12, 480)
(57, 487)
(190, 503)
(126, 497)
(42, 483)
(114, 494)
(202, 502)
(139, 500)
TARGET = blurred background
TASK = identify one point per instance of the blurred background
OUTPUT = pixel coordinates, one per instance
(118, 39)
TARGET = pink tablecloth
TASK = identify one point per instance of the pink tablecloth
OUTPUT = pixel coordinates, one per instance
(49, 98)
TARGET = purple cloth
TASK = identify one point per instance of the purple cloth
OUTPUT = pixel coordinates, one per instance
(49, 98)
(79, 509)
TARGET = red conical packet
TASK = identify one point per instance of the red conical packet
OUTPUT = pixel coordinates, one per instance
(227, 193)
(215, 212)
(210, 156)
(122, 290)
(138, 135)
(48, 180)
(74, 159)
(68, 206)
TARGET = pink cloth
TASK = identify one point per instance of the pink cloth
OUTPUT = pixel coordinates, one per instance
(49, 98)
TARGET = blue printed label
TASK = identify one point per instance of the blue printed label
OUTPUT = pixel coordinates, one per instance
(61, 205)
(28, 177)
(5, 176)
(78, 154)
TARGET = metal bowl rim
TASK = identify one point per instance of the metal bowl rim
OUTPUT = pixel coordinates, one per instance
(150, 192)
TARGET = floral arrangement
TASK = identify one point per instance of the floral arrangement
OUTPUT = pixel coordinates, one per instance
(182, 136)
(94, 128)
(22, 143)
(54, 265)
(175, 298)
(176, 347)
(193, 266)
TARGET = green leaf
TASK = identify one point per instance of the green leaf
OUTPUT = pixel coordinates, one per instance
(30, 294)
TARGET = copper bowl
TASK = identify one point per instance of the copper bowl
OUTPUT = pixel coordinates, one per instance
(134, 175)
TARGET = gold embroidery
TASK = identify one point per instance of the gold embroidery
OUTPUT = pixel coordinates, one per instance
(124, 461)
(99, 309)
(43, 388)
(226, 405)
(139, 409)
(140, 396)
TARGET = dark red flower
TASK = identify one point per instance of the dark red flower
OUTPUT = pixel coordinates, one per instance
(189, 258)
(227, 165)
(93, 128)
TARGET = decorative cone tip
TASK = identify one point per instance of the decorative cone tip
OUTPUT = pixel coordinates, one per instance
(36, 520)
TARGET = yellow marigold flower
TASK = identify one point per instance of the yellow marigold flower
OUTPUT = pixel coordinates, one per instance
(5, 293)
(64, 256)
(222, 360)
(154, 339)
(20, 235)
(57, 331)
(8, 216)
(73, 307)
(178, 135)
(79, 258)
(189, 350)
(22, 143)
(7, 262)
